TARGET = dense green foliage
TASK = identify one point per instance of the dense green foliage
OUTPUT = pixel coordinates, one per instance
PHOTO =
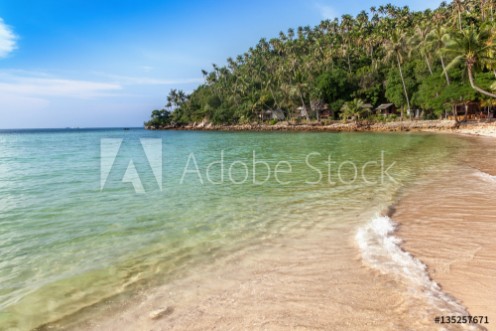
(427, 60)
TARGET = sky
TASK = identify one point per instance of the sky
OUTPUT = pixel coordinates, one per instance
(94, 63)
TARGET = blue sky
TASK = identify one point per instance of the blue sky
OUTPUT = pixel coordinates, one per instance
(89, 63)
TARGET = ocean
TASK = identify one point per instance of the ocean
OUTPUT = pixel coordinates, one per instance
(91, 218)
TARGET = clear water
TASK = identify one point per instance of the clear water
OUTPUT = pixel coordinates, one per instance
(66, 244)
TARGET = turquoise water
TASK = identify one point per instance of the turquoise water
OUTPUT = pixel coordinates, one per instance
(66, 243)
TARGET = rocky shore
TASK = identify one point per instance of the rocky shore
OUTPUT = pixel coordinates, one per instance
(437, 125)
(448, 126)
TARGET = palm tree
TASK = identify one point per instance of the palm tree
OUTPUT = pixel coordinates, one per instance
(436, 40)
(420, 39)
(176, 98)
(346, 34)
(396, 46)
(458, 9)
(472, 48)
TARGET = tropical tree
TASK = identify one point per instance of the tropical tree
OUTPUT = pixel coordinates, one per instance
(353, 109)
(159, 118)
(176, 98)
(470, 48)
(396, 47)
(420, 43)
(436, 41)
(459, 7)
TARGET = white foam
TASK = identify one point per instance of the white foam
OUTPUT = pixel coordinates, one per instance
(485, 176)
(381, 250)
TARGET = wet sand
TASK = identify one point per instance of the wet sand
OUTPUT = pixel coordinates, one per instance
(449, 222)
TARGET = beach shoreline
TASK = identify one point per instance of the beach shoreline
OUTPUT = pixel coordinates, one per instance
(451, 231)
(441, 126)
(335, 126)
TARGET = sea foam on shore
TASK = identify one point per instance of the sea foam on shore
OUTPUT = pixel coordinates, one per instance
(382, 251)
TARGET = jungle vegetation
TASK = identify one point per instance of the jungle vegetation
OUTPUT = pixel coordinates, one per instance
(428, 60)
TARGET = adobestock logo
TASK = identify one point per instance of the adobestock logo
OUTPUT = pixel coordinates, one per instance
(122, 161)
(109, 153)
(318, 169)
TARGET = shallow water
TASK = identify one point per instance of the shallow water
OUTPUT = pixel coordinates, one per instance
(67, 244)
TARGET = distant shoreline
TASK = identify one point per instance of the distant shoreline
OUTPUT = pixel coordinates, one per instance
(333, 127)
(450, 126)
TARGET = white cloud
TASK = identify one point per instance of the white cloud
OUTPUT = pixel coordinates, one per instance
(7, 39)
(326, 11)
(55, 99)
(39, 85)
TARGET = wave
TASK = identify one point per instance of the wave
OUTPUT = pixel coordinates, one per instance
(381, 250)
(485, 176)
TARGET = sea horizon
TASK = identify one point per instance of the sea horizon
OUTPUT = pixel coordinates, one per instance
(73, 128)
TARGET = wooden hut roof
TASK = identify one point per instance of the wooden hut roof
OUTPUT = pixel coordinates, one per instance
(385, 106)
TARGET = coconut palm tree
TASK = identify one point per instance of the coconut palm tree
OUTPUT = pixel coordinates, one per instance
(396, 46)
(436, 40)
(420, 43)
(458, 8)
(471, 47)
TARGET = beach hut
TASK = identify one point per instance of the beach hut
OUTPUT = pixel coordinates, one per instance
(276, 114)
(387, 109)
